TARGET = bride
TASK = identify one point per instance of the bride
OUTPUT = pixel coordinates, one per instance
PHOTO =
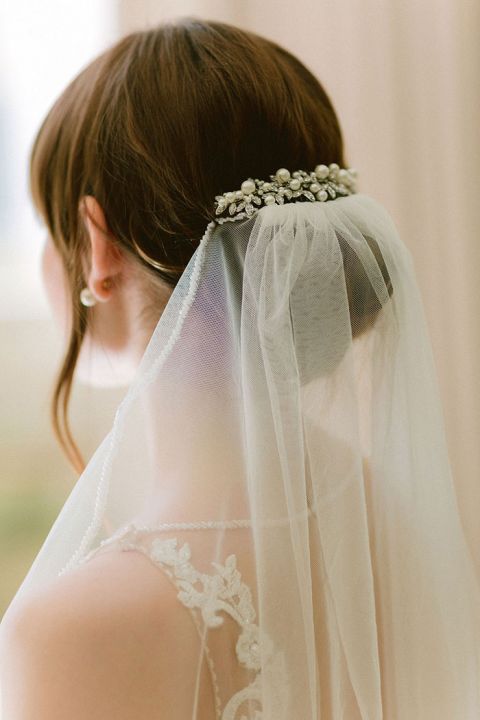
(269, 530)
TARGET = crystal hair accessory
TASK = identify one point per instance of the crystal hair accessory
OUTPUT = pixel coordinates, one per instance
(324, 183)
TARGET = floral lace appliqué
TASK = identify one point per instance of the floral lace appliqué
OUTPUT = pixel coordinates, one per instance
(210, 594)
(222, 591)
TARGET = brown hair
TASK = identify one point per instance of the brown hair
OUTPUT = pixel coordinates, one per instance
(155, 128)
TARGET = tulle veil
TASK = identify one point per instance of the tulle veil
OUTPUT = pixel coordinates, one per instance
(285, 430)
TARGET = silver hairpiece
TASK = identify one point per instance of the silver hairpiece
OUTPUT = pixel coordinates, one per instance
(326, 182)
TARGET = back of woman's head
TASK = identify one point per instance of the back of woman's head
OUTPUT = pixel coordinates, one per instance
(154, 128)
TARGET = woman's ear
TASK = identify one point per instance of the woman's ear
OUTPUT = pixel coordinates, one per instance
(106, 259)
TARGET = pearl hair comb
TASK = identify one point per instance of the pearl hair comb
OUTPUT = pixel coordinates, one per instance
(324, 183)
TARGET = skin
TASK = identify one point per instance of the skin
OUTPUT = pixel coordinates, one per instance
(75, 649)
(116, 339)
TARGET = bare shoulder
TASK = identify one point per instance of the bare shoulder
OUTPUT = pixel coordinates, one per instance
(96, 643)
(110, 589)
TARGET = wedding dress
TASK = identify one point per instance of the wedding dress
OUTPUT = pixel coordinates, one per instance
(281, 463)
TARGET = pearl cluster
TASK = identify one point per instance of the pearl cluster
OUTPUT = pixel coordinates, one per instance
(326, 182)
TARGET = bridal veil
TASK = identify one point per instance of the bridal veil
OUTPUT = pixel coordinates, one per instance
(281, 453)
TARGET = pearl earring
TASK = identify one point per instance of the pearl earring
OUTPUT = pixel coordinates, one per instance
(88, 299)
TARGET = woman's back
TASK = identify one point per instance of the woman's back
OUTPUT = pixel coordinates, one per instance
(109, 639)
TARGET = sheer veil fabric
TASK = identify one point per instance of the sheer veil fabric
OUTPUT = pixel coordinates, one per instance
(281, 456)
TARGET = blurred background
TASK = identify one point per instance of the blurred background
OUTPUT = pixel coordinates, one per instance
(403, 77)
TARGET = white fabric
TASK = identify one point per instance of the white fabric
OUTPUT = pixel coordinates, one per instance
(284, 463)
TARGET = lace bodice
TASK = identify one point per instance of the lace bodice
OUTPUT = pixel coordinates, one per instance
(209, 596)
